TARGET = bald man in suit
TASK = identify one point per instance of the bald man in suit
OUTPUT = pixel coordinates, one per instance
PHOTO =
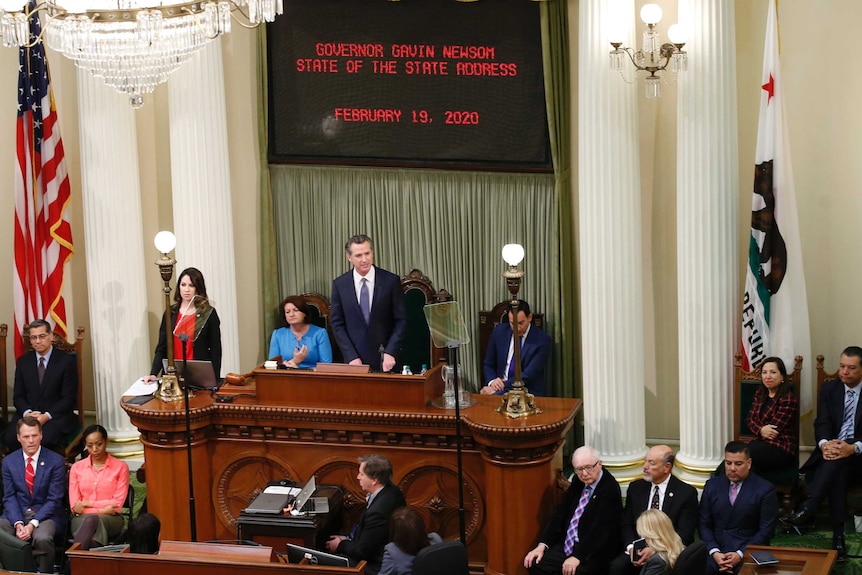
(582, 535)
(658, 489)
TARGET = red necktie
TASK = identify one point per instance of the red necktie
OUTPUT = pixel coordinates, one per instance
(30, 475)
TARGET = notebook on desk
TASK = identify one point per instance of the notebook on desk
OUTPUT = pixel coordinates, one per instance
(305, 503)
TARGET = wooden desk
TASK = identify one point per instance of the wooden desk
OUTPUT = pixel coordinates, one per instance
(791, 561)
(184, 558)
(309, 531)
(510, 465)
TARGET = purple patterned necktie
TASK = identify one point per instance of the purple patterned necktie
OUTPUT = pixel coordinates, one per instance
(734, 490)
(572, 531)
(365, 300)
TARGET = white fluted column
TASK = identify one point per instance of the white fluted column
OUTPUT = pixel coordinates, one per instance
(707, 235)
(114, 253)
(200, 171)
(610, 244)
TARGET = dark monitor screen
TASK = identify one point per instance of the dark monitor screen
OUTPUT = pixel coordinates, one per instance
(296, 553)
(425, 82)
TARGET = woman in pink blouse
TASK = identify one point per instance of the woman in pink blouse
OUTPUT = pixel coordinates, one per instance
(98, 486)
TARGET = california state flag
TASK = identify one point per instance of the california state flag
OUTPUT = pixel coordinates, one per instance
(775, 306)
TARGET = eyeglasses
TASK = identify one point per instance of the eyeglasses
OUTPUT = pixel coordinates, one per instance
(586, 468)
(39, 337)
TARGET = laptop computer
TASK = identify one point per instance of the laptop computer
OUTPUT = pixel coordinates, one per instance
(305, 503)
(296, 553)
(198, 372)
(268, 504)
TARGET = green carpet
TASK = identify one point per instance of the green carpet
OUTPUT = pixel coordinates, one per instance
(823, 540)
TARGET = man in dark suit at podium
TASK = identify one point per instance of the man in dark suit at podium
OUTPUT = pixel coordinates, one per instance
(498, 371)
(737, 509)
(368, 310)
(658, 489)
(46, 387)
(371, 534)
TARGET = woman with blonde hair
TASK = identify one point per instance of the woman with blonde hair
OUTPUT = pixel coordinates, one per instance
(656, 528)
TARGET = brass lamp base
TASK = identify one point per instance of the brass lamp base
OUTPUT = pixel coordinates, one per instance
(169, 389)
(518, 403)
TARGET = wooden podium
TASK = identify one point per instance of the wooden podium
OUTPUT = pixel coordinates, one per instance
(304, 423)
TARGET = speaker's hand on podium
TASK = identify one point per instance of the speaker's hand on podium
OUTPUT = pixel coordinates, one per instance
(388, 362)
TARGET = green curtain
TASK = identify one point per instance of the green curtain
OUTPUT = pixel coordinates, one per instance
(270, 292)
(449, 224)
(555, 50)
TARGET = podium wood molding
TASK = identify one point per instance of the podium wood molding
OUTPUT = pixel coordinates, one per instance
(237, 447)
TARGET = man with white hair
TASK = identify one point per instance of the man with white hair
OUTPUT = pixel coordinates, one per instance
(583, 534)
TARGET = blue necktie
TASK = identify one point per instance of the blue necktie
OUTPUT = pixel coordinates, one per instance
(365, 301)
(848, 423)
(511, 373)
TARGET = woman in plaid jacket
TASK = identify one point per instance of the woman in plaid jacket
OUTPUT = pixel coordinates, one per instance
(774, 420)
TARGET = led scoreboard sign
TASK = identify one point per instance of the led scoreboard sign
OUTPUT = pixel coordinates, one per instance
(417, 82)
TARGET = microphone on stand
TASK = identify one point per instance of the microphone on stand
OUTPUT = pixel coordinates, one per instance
(184, 338)
(382, 351)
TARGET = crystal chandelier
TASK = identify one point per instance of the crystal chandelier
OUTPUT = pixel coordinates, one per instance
(653, 56)
(133, 45)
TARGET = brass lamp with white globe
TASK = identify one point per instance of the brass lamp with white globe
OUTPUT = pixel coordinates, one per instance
(518, 401)
(169, 384)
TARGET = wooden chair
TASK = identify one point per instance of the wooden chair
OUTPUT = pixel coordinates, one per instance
(320, 311)
(73, 444)
(418, 349)
(745, 385)
(488, 320)
(822, 374)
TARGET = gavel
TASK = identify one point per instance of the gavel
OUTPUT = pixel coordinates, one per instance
(237, 378)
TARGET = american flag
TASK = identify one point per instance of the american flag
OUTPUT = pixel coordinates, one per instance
(43, 235)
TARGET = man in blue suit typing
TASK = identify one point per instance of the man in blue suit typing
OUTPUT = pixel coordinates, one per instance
(737, 509)
(34, 482)
(535, 350)
(368, 311)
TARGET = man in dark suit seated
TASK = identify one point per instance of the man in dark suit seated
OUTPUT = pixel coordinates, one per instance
(838, 430)
(371, 534)
(46, 387)
(737, 509)
(34, 483)
(582, 535)
(368, 310)
(658, 489)
(498, 370)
